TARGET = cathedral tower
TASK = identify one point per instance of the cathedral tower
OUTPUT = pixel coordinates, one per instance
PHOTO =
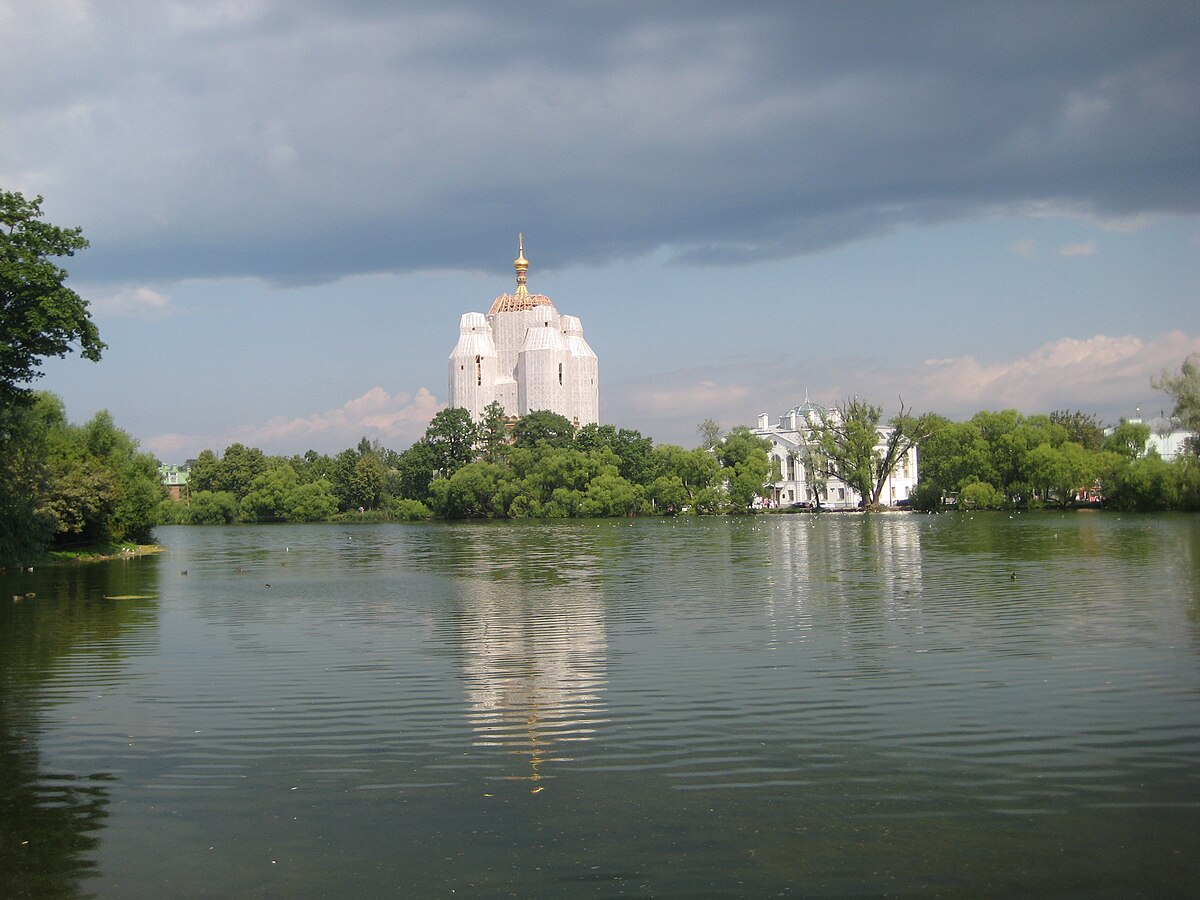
(526, 356)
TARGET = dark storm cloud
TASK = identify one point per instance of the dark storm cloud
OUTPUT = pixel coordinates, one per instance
(304, 142)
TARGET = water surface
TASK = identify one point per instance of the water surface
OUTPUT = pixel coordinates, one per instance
(816, 705)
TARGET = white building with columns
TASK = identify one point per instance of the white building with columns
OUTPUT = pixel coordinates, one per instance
(794, 456)
(526, 356)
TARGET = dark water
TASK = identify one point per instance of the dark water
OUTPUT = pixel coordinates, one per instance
(798, 705)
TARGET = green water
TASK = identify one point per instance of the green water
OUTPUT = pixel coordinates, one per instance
(831, 705)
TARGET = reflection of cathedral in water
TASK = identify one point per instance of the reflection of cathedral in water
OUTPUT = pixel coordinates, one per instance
(533, 666)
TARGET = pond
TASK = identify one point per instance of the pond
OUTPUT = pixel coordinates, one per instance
(804, 704)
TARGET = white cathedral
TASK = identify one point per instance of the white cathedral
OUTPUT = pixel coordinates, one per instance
(525, 356)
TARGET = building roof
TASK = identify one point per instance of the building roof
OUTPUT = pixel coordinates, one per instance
(518, 302)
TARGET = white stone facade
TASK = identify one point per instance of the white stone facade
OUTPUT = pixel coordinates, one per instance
(1167, 439)
(525, 356)
(791, 451)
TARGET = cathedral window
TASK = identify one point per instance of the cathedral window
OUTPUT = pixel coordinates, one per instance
(478, 371)
(560, 373)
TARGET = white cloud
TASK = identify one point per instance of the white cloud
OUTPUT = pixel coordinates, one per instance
(133, 303)
(1086, 248)
(1107, 376)
(395, 419)
(1045, 209)
(1025, 247)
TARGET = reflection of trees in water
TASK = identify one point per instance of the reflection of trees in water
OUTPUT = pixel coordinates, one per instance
(531, 630)
(50, 821)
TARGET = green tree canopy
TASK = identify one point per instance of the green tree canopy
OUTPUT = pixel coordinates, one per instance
(39, 316)
(493, 432)
(1128, 439)
(543, 427)
(452, 435)
(99, 487)
(1082, 428)
(747, 467)
(860, 452)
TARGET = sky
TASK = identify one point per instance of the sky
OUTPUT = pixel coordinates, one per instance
(958, 206)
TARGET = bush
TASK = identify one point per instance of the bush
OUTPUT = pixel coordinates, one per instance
(212, 508)
(927, 497)
(171, 512)
(409, 510)
(980, 495)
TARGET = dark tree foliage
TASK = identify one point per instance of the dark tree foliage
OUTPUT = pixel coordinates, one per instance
(417, 467)
(632, 449)
(39, 316)
(1083, 428)
(543, 428)
(23, 474)
(453, 435)
(68, 484)
(493, 432)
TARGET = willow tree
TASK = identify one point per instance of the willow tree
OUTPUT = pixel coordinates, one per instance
(863, 453)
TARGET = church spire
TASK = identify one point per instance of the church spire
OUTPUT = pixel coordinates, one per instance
(521, 264)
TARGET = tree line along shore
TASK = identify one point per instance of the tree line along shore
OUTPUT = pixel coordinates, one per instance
(89, 485)
(66, 486)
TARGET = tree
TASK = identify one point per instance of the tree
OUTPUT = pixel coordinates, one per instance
(1184, 388)
(469, 493)
(23, 435)
(632, 449)
(99, 487)
(310, 502)
(611, 495)
(953, 455)
(543, 427)
(1128, 439)
(39, 316)
(368, 481)
(452, 434)
(493, 432)
(747, 465)
(979, 495)
(668, 494)
(416, 469)
(1059, 472)
(1010, 438)
(212, 508)
(710, 433)
(205, 473)
(239, 467)
(860, 452)
(270, 493)
(1083, 428)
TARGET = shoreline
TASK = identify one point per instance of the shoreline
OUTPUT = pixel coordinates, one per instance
(97, 554)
